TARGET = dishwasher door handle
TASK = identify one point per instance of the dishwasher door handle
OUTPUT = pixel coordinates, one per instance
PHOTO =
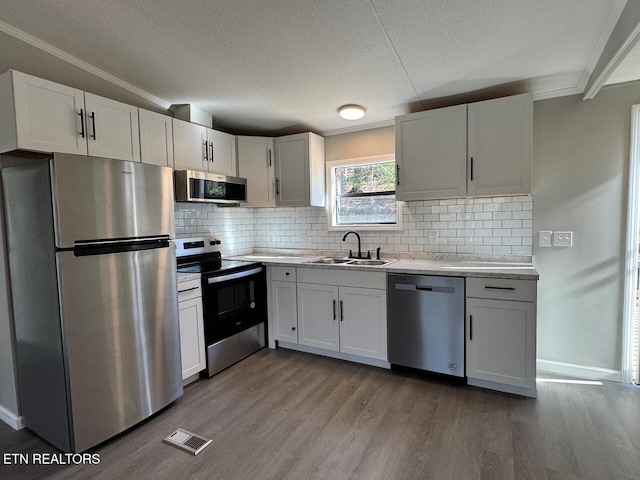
(424, 288)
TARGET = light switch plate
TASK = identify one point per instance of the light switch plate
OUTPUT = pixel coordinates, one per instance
(545, 238)
(433, 237)
(562, 239)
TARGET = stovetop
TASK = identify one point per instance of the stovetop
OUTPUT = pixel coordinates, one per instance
(202, 255)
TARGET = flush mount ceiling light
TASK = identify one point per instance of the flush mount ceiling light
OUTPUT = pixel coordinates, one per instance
(351, 112)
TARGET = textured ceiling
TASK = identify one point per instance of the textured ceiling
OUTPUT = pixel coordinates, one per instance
(276, 66)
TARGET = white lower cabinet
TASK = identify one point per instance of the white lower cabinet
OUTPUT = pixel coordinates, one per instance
(284, 311)
(501, 335)
(339, 312)
(318, 316)
(363, 322)
(191, 319)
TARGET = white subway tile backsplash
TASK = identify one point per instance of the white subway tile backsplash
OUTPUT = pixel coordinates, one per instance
(501, 225)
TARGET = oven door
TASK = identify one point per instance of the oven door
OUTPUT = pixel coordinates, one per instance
(233, 303)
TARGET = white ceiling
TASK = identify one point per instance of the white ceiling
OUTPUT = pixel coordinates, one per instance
(280, 66)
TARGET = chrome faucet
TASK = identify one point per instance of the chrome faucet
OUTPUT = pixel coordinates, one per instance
(344, 239)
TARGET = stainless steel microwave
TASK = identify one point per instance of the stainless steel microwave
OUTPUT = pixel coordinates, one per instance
(194, 186)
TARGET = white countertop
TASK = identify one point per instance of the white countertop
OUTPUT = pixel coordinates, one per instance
(185, 277)
(519, 271)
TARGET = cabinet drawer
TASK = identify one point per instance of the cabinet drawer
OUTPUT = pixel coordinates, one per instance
(188, 290)
(283, 274)
(343, 278)
(502, 289)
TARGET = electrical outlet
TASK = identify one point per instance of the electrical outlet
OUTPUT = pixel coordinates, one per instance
(545, 238)
(562, 239)
(433, 237)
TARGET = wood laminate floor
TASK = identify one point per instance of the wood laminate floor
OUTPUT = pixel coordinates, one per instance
(288, 415)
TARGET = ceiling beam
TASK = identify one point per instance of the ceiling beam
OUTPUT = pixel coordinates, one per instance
(623, 38)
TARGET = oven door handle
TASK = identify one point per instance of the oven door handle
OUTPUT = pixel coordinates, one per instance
(233, 276)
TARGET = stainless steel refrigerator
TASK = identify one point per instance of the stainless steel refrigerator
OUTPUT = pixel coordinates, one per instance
(93, 280)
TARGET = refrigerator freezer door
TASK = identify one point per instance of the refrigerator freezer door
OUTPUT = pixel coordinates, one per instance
(121, 338)
(98, 198)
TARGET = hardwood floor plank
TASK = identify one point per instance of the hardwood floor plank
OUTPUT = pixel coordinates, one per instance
(289, 415)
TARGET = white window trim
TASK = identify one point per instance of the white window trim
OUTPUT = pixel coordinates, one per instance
(331, 195)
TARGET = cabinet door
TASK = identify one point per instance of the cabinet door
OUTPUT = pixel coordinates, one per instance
(318, 316)
(284, 310)
(47, 116)
(112, 128)
(222, 151)
(255, 163)
(501, 341)
(500, 146)
(292, 170)
(431, 154)
(363, 322)
(192, 347)
(156, 138)
(190, 146)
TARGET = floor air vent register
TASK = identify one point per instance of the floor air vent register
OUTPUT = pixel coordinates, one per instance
(187, 441)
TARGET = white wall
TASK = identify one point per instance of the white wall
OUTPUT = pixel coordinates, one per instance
(581, 151)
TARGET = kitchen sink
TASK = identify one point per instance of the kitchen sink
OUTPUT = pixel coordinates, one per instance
(369, 262)
(331, 260)
(352, 261)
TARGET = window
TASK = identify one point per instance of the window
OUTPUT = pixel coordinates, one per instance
(363, 194)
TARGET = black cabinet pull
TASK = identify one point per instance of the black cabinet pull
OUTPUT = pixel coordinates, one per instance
(206, 151)
(277, 187)
(334, 309)
(341, 311)
(211, 146)
(81, 122)
(293, 328)
(93, 123)
(398, 174)
(489, 287)
(472, 169)
(188, 289)
(470, 327)
(269, 157)
(287, 274)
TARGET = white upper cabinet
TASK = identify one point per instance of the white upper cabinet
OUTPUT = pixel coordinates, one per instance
(222, 149)
(255, 163)
(190, 146)
(48, 117)
(39, 115)
(200, 148)
(501, 146)
(478, 149)
(431, 154)
(156, 138)
(299, 163)
(112, 128)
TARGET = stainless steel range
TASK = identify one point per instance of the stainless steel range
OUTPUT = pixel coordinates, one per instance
(234, 301)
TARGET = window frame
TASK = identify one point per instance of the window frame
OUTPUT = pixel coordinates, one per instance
(331, 196)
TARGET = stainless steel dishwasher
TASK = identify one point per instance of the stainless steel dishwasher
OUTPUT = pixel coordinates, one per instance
(425, 322)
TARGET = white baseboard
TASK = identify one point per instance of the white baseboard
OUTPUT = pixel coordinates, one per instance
(580, 371)
(11, 419)
(339, 355)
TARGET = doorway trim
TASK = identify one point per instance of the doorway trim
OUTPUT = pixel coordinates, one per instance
(631, 253)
